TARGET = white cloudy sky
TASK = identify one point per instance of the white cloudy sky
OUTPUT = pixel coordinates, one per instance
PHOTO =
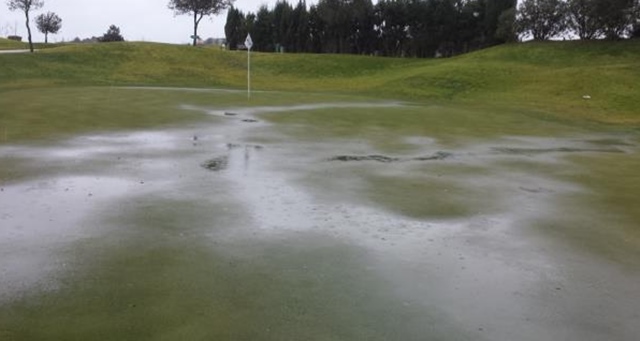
(148, 20)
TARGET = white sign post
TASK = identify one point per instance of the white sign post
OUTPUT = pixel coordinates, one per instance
(248, 43)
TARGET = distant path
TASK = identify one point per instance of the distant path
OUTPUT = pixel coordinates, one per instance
(15, 51)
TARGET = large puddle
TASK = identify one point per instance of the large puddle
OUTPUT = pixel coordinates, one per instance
(273, 237)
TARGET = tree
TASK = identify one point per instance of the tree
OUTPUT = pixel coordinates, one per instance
(48, 23)
(506, 26)
(493, 10)
(470, 26)
(301, 34)
(26, 6)
(336, 18)
(392, 26)
(316, 30)
(283, 26)
(362, 33)
(199, 9)
(583, 18)
(615, 17)
(635, 33)
(542, 19)
(113, 34)
(233, 29)
(262, 32)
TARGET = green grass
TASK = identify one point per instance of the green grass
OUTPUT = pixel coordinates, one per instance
(447, 123)
(54, 112)
(6, 44)
(549, 78)
(51, 112)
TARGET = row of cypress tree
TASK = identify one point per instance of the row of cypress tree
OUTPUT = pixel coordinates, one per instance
(417, 28)
(423, 28)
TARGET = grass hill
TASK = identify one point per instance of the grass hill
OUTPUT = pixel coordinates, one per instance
(6, 44)
(551, 78)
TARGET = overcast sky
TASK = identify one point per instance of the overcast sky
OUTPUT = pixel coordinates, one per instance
(148, 20)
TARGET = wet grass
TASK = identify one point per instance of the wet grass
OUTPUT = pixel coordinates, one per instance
(43, 113)
(387, 128)
(455, 188)
(166, 276)
(431, 198)
(54, 112)
(611, 228)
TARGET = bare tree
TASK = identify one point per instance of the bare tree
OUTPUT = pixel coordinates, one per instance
(26, 6)
(199, 9)
(48, 23)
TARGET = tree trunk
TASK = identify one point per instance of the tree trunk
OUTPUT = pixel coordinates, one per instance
(26, 14)
(195, 28)
(196, 22)
(46, 37)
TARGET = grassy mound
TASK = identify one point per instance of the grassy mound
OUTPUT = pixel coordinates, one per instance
(6, 44)
(552, 78)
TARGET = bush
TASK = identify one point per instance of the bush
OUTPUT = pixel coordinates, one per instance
(113, 34)
(16, 38)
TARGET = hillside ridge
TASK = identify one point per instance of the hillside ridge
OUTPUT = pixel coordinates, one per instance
(594, 80)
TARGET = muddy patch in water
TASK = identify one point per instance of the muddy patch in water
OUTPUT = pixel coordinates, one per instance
(388, 159)
(536, 190)
(221, 163)
(538, 151)
(231, 146)
(378, 158)
(250, 111)
(216, 164)
(611, 142)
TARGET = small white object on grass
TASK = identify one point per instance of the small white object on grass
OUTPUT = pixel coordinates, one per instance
(586, 97)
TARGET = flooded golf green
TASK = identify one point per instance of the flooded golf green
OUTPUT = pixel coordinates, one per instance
(313, 217)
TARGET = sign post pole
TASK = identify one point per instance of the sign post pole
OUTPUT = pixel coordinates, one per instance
(248, 43)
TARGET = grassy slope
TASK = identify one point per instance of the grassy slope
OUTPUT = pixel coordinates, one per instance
(548, 77)
(6, 44)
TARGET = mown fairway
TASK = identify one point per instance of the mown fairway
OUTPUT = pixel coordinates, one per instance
(477, 198)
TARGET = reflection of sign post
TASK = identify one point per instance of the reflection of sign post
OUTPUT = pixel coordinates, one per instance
(248, 43)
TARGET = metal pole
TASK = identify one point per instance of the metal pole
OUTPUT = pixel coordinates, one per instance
(248, 43)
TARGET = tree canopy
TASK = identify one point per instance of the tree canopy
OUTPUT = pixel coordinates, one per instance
(48, 23)
(542, 19)
(588, 19)
(198, 9)
(113, 34)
